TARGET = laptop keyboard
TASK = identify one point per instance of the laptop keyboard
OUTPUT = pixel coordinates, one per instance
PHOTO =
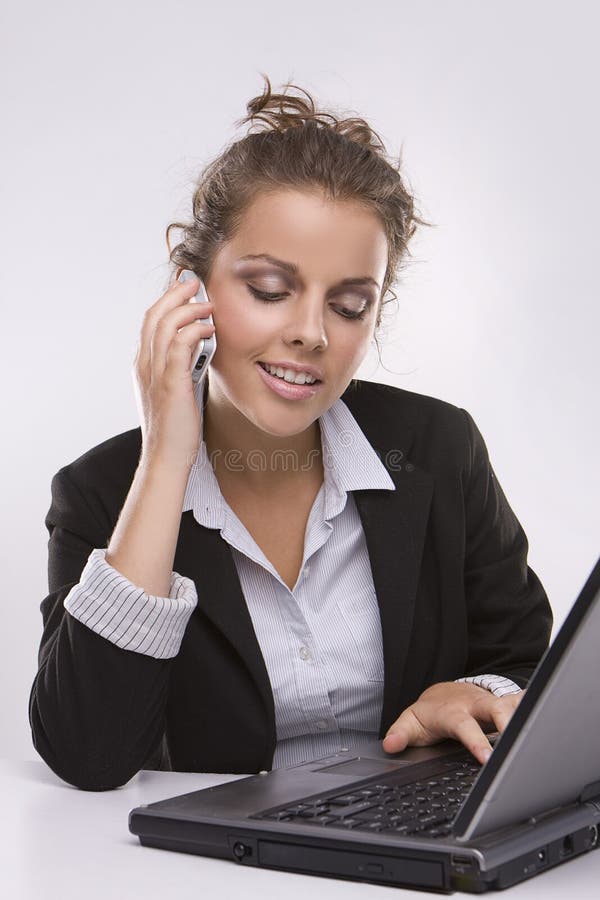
(426, 807)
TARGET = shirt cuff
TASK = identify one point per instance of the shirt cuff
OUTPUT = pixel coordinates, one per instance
(109, 604)
(497, 684)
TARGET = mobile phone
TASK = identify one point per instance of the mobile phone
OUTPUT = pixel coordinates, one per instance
(205, 349)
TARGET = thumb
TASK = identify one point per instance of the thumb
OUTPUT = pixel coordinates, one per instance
(405, 730)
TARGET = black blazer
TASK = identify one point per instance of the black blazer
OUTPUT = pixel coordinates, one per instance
(449, 564)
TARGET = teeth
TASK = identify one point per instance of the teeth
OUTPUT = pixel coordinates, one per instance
(291, 376)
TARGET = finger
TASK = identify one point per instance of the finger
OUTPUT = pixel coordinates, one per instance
(502, 713)
(513, 699)
(406, 730)
(178, 363)
(501, 717)
(183, 326)
(178, 294)
(468, 731)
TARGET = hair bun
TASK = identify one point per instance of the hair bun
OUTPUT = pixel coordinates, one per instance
(278, 112)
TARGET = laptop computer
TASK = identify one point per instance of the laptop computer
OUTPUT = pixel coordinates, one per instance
(429, 817)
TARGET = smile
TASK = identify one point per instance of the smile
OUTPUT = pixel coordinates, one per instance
(289, 375)
(288, 388)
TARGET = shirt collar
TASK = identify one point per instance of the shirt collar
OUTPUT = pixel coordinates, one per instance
(349, 463)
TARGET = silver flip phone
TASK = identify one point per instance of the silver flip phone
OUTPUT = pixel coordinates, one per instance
(205, 350)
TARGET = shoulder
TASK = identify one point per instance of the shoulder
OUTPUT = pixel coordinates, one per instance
(116, 455)
(100, 478)
(392, 413)
(432, 433)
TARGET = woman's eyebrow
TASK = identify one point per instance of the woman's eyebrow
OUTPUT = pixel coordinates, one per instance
(292, 268)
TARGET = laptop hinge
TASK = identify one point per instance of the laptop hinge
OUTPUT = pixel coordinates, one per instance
(590, 793)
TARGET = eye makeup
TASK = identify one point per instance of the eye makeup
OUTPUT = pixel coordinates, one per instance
(344, 312)
(289, 272)
(293, 269)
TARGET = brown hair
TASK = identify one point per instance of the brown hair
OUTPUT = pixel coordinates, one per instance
(296, 147)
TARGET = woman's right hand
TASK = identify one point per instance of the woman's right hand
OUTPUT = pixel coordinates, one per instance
(162, 371)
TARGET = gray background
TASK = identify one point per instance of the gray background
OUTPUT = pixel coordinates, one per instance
(109, 112)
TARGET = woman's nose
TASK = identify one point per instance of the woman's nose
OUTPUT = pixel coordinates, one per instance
(306, 326)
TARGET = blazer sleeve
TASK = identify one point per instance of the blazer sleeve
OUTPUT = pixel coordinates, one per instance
(96, 710)
(508, 613)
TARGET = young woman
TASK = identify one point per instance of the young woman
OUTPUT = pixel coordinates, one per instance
(282, 560)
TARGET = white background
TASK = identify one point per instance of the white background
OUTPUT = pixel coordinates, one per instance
(110, 111)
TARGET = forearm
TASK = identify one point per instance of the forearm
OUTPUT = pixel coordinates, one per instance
(143, 543)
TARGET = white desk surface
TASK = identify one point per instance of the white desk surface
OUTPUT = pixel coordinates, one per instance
(61, 843)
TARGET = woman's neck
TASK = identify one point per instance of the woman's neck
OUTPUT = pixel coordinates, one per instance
(243, 454)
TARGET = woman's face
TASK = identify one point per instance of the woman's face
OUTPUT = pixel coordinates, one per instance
(315, 321)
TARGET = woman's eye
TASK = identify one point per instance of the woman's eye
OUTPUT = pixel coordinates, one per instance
(344, 313)
(351, 314)
(264, 295)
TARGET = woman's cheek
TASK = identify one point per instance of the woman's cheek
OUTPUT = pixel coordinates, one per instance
(355, 348)
(235, 327)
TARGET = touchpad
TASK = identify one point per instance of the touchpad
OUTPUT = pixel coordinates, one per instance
(362, 765)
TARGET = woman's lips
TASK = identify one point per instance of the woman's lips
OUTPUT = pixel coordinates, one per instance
(287, 390)
(295, 367)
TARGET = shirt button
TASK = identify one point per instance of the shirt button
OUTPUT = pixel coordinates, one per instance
(321, 724)
(306, 570)
(304, 653)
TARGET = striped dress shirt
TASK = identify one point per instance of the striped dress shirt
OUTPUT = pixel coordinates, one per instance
(321, 641)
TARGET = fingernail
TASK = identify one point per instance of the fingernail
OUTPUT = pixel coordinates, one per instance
(486, 754)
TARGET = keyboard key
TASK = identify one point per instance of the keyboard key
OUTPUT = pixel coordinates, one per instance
(370, 826)
(397, 829)
(428, 819)
(344, 799)
(372, 814)
(313, 811)
(321, 820)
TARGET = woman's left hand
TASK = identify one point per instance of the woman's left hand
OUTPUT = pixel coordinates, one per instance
(452, 710)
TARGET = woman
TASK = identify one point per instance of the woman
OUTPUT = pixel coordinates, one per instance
(263, 572)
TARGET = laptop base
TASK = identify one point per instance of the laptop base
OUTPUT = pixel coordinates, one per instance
(451, 867)
(340, 859)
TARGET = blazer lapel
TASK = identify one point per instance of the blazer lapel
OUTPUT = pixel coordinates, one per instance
(394, 524)
(206, 558)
